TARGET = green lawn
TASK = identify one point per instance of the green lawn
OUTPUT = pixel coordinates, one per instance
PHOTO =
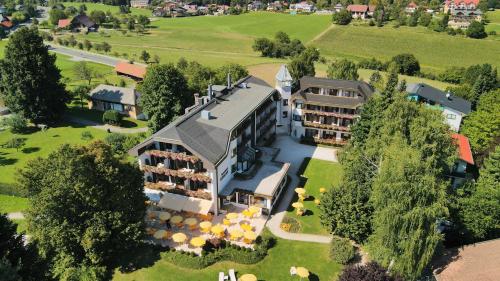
(494, 24)
(10, 204)
(435, 51)
(96, 116)
(113, 9)
(275, 267)
(319, 173)
(39, 143)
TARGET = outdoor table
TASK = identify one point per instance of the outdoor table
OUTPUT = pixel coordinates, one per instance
(248, 277)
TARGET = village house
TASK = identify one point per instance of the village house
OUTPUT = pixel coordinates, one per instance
(255, 6)
(361, 11)
(123, 100)
(411, 8)
(303, 7)
(134, 71)
(324, 109)
(78, 23)
(454, 108)
(338, 7)
(212, 158)
(465, 160)
(275, 6)
(139, 3)
(462, 12)
(5, 22)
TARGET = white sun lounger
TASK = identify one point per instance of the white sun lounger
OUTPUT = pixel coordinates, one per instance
(232, 276)
(221, 276)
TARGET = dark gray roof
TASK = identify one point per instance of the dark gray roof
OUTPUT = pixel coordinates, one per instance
(439, 97)
(115, 94)
(307, 82)
(210, 138)
(83, 20)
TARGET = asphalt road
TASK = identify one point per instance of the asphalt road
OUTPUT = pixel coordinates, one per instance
(79, 55)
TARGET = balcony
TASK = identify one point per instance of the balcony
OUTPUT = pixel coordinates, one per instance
(326, 126)
(173, 155)
(326, 113)
(331, 141)
(178, 189)
(183, 173)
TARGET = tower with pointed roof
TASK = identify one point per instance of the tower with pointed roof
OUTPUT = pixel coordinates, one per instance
(284, 87)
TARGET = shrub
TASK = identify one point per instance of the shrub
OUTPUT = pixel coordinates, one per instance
(342, 18)
(15, 142)
(369, 272)
(116, 142)
(112, 117)
(86, 135)
(476, 30)
(493, 32)
(372, 63)
(290, 225)
(16, 123)
(406, 64)
(341, 250)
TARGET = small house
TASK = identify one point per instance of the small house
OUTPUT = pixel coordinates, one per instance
(465, 159)
(123, 100)
(139, 4)
(5, 22)
(338, 7)
(83, 22)
(361, 11)
(134, 71)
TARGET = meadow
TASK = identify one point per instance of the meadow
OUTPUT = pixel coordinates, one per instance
(494, 22)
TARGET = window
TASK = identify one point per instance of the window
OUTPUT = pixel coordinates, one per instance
(285, 102)
(234, 168)
(285, 114)
(451, 116)
(223, 174)
(298, 105)
(117, 106)
(297, 117)
(233, 153)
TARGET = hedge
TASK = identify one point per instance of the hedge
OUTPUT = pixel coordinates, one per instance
(341, 250)
(226, 252)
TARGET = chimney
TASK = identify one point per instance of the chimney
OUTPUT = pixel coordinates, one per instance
(210, 92)
(229, 83)
(448, 95)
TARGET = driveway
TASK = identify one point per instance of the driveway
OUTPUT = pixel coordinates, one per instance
(293, 152)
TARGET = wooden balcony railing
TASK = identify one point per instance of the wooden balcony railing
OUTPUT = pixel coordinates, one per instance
(177, 173)
(326, 126)
(332, 114)
(199, 193)
(173, 155)
(330, 141)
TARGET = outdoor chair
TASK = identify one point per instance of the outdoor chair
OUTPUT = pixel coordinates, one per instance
(221, 276)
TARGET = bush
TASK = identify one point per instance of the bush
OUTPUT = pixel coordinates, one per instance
(341, 250)
(16, 123)
(116, 141)
(112, 117)
(86, 135)
(476, 30)
(369, 272)
(406, 64)
(493, 32)
(342, 18)
(372, 63)
(290, 225)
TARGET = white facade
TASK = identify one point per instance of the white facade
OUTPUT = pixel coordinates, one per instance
(284, 87)
(453, 118)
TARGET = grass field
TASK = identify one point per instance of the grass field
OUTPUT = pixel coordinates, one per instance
(319, 173)
(275, 267)
(39, 143)
(494, 24)
(10, 204)
(113, 9)
(435, 51)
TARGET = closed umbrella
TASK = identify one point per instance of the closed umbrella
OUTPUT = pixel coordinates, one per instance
(159, 234)
(179, 237)
(298, 205)
(164, 216)
(198, 242)
(247, 213)
(302, 272)
(322, 190)
(300, 191)
(248, 277)
(317, 201)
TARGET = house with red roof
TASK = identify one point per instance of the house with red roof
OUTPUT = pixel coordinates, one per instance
(411, 8)
(462, 12)
(361, 11)
(6, 23)
(465, 159)
(64, 23)
(134, 71)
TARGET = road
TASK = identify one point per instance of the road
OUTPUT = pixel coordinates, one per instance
(79, 55)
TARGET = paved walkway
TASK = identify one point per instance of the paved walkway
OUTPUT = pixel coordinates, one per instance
(15, 216)
(105, 127)
(294, 153)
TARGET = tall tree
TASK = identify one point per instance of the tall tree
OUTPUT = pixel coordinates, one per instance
(237, 72)
(87, 209)
(343, 69)
(303, 64)
(164, 95)
(30, 81)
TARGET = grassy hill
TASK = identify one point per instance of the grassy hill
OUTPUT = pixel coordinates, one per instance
(435, 51)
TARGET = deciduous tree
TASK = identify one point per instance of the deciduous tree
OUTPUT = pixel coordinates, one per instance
(343, 69)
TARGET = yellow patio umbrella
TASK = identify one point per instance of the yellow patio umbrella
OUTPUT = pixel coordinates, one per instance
(176, 219)
(300, 191)
(298, 205)
(322, 190)
(235, 234)
(316, 201)
(248, 277)
(179, 237)
(198, 242)
(217, 229)
(205, 225)
(159, 234)
(191, 221)
(164, 216)
(247, 213)
(250, 235)
(246, 227)
(232, 216)
(302, 272)
(254, 209)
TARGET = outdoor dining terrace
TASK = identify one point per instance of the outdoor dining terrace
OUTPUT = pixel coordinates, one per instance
(189, 232)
